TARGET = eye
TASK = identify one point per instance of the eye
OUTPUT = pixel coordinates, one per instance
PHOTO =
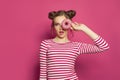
(56, 24)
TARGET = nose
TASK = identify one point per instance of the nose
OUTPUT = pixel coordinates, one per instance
(60, 28)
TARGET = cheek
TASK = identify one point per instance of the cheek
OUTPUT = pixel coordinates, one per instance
(66, 32)
(56, 29)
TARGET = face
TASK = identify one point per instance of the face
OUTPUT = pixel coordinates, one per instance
(60, 32)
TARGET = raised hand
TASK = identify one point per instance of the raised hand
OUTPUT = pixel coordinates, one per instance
(77, 26)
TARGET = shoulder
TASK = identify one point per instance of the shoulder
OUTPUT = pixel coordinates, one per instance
(45, 41)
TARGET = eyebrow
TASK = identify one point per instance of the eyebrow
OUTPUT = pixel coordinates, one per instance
(56, 22)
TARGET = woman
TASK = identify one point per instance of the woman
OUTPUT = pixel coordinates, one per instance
(58, 55)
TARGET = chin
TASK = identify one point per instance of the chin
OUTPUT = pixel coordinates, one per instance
(62, 36)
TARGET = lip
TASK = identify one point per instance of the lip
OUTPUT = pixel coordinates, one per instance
(61, 31)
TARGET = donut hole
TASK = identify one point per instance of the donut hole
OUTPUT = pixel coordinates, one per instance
(66, 23)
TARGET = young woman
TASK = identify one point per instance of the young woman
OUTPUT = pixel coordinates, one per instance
(58, 55)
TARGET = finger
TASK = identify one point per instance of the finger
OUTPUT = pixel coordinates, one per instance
(76, 23)
(73, 24)
(71, 28)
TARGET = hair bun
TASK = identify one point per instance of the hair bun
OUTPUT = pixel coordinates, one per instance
(71, 13)
(52, 14)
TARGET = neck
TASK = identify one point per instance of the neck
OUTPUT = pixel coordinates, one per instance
(65, 39)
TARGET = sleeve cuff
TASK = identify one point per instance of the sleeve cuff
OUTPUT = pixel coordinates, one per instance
(98, 38)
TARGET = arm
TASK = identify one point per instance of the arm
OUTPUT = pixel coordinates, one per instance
(81, 27)
(43, 61)
(99, 43)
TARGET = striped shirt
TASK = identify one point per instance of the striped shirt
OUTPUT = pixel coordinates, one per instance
(57, 60)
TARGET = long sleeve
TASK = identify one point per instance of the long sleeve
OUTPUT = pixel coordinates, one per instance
(99, 45)
(43, 61)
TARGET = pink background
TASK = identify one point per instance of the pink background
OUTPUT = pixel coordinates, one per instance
(24, 23)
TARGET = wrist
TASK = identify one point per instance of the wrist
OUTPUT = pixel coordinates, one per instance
(84, 29)
(89, 32)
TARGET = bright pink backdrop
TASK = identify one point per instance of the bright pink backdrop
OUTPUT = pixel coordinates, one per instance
(24, 23)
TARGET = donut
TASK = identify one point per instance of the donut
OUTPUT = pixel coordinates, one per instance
(66, 24)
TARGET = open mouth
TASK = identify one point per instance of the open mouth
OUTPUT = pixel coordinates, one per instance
(61, 32)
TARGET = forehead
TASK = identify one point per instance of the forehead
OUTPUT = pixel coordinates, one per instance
(59, 19)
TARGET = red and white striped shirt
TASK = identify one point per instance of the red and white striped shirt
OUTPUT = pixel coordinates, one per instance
(57, 60)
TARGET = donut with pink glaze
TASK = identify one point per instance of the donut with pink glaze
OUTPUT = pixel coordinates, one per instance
(66, 24)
